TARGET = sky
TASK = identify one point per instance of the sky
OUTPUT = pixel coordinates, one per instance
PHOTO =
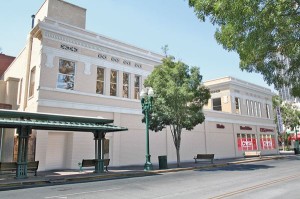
(142, 23)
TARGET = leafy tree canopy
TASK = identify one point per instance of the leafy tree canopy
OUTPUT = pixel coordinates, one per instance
(260, 31)
(290, 113)
(180, 95)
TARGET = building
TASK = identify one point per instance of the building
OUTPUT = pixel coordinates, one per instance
(285, 91)
(70, 70)
(5, 61)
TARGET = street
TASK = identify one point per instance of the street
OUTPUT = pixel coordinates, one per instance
(265, 179)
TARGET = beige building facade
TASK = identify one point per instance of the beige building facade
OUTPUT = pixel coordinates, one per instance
(66, 69)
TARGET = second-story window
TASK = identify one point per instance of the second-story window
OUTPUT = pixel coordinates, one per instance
(259, 109)
(32, 82)
(66, 74)
(248, 107)
(125, 85)
(251, 108)
(217, 105)
(137, 86)
(100, 81)
(255, 109)
(113, 82)
(268, 111)
(237, 105)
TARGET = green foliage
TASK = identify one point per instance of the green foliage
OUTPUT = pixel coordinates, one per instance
(179, 98)
(290, 113)
(259, 31)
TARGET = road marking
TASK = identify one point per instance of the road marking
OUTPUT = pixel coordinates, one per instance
(259, 186)
(80, 193)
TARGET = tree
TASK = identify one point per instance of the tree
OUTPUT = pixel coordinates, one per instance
(290, 115)
(179, 98)
(260, 31)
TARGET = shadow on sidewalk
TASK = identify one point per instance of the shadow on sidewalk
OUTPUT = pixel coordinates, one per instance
(237, 167)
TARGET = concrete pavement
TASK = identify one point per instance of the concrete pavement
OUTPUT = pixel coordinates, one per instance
(46, 178)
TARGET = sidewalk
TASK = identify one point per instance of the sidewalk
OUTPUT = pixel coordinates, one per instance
(45, 178)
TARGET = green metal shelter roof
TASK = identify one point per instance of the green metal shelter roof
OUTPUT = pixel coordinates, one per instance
(47, 121)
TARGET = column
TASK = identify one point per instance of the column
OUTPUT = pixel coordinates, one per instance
(23, 136)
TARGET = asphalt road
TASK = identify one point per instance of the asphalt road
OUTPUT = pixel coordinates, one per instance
(265, 179)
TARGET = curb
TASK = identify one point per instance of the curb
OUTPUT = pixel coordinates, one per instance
(111, 176)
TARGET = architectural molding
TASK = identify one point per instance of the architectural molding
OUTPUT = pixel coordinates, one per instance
(87, 94)
(87, 107)
(64, 35)
(54, 52)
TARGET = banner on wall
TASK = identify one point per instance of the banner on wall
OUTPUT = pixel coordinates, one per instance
(279, 119)
(247, 144)
(267, 143)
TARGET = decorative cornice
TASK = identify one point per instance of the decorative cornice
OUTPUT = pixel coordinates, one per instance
(61, 34)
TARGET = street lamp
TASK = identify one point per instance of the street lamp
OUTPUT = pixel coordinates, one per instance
(147, 100)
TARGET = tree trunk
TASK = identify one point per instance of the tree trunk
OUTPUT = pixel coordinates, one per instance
(178, 156)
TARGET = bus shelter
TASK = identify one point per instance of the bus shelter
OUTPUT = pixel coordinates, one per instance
(24, 122)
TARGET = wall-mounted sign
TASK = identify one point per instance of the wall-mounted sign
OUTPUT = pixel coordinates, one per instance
(266, 130)
(247, 128)
(70, 48)
(220, 126)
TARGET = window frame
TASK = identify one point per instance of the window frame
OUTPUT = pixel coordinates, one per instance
(217, 107)
(32, 82)
(124, 86)
(100, 81)
(115, 83)
(65, 74)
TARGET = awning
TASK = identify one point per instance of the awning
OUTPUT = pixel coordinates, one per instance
(47, 121)
(293, 136)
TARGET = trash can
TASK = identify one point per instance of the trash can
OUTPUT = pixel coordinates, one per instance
(162, 161)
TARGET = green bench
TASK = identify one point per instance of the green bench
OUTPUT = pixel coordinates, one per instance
(92, 163)
(12, 167)
(205, 157)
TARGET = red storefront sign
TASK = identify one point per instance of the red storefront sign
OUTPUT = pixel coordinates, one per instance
(248, 128)
(220, 126)
(266, 130)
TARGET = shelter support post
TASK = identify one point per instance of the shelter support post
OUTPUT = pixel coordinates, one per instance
(23, 137)
(99, 142)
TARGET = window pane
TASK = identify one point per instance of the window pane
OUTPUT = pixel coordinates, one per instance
(100, 87)
(113, 82)
(237, 105)
(268, 110)
(65, 82)
(65, 79)
(32, 82)
(137, 83)
(100, 81)
(125, 85)
(217, 106)
(66, 67)
(100, 74)
(248, 108)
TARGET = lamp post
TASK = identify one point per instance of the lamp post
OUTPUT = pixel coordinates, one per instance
(146, 100)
